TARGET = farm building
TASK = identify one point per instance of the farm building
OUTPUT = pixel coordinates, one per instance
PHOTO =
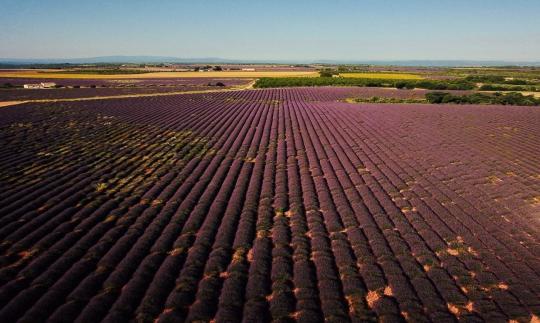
(32, 86)
(42, 85)
(47, 85)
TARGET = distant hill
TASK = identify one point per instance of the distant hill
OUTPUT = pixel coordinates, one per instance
(217, 60)
(108, 59)
(434, 63)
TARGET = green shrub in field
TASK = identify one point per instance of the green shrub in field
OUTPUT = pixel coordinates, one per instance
(327, 72)
(497, 87)
(485, 78)
(512, 98)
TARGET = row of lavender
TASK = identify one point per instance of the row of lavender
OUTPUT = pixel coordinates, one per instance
(195, 81)
(74, 93)
(95, 88)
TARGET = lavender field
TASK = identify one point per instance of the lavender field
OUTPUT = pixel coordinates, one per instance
(269, 205)
(87, 88)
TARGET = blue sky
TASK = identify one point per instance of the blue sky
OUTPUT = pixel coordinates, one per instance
(274, 29)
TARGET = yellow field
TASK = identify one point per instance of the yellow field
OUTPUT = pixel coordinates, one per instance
(213, 74)
(395, 76)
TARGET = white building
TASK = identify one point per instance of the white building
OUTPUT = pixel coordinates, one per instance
(47, 85)
(42, 85)
(32, 86)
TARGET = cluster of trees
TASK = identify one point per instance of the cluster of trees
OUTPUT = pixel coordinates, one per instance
(443, 84)
(519, 82)
(497, 79)
(498, 87)
(512, 98)
(485, 78)
(268, 82)
(208, 67)
(327, 72)
(435, 85)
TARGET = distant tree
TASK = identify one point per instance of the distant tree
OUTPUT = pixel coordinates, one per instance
(516, 82)
(436, 97)
(401, 85)
(494, 87)
(220, 84)
(217, 68)
(327, 72)
(485, 78)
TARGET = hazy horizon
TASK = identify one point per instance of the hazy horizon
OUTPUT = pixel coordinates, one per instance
(224, 60)
(343, 30)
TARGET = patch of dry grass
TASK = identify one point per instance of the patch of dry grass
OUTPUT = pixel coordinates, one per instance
(8, 103)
